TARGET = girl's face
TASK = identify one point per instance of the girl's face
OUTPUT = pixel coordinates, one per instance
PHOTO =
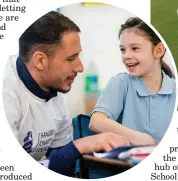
(138, 53)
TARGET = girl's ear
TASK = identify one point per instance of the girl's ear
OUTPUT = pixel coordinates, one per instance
(159, 50)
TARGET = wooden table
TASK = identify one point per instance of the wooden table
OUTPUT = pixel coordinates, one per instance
(111, 166)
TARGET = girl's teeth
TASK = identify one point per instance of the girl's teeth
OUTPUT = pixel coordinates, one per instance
(130, 64)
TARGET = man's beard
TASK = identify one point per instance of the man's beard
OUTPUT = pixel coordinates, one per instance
(55, 90)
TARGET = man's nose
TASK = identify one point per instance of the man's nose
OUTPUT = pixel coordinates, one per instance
(78, 66)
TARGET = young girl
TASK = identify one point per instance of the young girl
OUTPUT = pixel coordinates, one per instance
(138, 105)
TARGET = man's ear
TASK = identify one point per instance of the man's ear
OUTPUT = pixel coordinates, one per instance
(40, 60)
(159, 50)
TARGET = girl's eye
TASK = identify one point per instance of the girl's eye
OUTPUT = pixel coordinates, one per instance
(122, 49)
(135, 48)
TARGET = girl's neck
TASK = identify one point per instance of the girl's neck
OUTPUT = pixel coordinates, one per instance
(153, 81)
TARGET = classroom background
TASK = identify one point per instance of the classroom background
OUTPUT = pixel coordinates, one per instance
(99, 24)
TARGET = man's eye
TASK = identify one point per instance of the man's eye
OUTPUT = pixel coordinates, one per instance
(71, 59)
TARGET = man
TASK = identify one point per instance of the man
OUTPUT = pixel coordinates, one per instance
(33, 88)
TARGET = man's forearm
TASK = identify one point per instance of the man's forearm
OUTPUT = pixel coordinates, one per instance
(62, 159)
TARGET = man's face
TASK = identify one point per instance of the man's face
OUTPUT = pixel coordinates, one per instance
(64, 66)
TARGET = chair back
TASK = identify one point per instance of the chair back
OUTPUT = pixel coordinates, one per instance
(80, 126)
(80, 129)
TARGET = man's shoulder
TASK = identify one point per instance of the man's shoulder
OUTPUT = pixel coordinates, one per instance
(11, 78)
(62, 98)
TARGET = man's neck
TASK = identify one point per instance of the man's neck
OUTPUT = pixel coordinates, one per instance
(35, 76)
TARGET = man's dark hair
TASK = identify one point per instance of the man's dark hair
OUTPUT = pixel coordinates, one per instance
(45, 34)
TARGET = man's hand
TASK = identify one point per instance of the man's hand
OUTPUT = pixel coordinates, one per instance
(100, 142)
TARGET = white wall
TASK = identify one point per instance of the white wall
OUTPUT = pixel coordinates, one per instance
(99, 29)
(99, 38)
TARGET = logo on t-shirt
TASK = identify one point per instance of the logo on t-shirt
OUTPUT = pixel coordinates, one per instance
(43, 142)
(28, 142)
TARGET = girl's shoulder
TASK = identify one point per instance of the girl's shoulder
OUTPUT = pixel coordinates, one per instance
(124, 76)
(168, 84)
(121, 80)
